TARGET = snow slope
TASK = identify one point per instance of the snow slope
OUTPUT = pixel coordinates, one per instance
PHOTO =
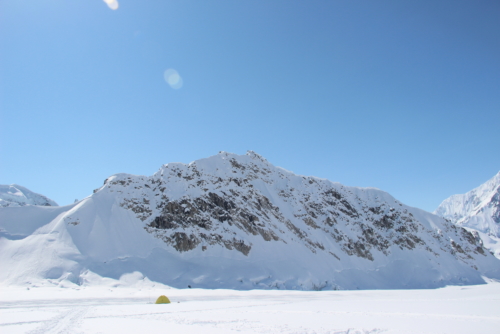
(15, 195)
(117, 309)
(478, 210)
(237, 221)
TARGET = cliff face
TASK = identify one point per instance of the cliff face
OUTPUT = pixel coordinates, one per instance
(233, 221)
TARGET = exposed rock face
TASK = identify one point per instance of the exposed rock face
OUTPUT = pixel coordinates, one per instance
(239, 222)
(210, 213)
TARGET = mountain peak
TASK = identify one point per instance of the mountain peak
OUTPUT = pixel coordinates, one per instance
(478, 209)
(16, 195)
(237, 221)
(255, 155)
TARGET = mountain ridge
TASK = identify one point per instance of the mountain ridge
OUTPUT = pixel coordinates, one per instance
(237, 221)
(478, 210)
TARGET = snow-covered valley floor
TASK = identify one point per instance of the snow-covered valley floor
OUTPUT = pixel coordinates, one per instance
(456, 309)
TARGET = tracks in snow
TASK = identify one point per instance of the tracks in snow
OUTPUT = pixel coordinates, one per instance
(66, 322)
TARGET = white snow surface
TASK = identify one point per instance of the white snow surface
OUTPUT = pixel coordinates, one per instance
(15, 195)
(121, 307)
(478, 210)
(238, 222)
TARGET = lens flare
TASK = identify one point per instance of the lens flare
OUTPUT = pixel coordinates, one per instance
(113, 4)
(173, 78)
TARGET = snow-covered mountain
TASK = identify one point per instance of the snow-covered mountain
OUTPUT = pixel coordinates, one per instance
(15, 195)
(478, 210)
(232, 221)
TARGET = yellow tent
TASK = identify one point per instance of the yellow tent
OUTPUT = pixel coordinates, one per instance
(162, 300)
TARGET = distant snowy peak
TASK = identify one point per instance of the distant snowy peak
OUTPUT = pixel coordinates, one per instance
(478, 209)
(16, 195)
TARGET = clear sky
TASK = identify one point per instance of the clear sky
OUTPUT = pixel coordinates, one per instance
(399, 95)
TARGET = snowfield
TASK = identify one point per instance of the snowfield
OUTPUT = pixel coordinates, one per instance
(108, 309)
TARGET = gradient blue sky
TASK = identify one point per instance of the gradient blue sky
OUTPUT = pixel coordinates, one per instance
(399, 95)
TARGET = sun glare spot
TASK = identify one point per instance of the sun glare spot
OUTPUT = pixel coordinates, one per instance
(113, 4)
(173, 78)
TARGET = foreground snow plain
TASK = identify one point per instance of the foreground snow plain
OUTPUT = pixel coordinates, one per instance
(115, 308)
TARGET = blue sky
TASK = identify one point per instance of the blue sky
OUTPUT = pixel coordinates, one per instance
(399, 95)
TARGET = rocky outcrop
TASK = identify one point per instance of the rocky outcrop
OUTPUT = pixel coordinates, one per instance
(230, 206)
